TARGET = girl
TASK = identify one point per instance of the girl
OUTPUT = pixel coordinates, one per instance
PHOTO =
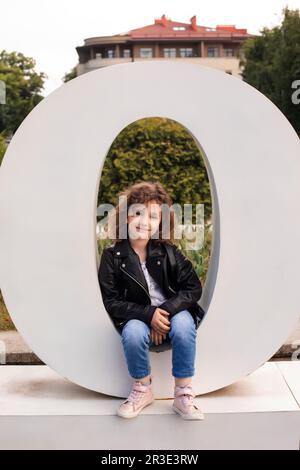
(146, 306)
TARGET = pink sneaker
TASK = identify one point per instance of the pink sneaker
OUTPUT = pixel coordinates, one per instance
(184, 403)
(140, 396)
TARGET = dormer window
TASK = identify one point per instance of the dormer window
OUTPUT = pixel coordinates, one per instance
(179, 28)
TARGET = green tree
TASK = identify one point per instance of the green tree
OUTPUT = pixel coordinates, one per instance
(156, 149)
(23, 88)
(2, 147)
(272, 63)
(70, 75)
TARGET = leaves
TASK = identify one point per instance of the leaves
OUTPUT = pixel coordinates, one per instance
(156, 149)
(3, 147)
(272, 64)
(23, 88)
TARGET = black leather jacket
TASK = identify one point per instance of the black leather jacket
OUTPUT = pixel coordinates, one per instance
(126, 295)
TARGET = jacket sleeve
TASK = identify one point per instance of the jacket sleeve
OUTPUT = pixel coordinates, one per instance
(118, 309)
(189, 286)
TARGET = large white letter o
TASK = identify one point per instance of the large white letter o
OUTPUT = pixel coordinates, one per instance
(49, 183)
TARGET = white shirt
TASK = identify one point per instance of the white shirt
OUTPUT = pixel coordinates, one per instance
(156, 293)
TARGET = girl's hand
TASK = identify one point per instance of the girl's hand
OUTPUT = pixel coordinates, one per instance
(160, 322)
(156, 337)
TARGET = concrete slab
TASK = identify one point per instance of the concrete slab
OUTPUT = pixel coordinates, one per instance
(291, 373)
(41, 410)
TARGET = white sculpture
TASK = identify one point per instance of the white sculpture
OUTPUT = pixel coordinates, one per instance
(49, 181)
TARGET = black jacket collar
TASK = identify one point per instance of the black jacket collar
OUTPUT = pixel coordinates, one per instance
(155, 261)
(123, 248)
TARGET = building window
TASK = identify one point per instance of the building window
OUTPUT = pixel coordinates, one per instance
(179, 28)
(126, 53)
(146, 52)
(110, 53)
(186, 52)
(169, 52)
(228, 52)
(212, 52)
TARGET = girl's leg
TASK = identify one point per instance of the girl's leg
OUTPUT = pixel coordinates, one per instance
(183, 381)
(135, 340)
(183, 335)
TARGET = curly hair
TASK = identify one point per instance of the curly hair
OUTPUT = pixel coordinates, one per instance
(141, 192)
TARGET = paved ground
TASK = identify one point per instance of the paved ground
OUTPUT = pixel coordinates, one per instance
(14, 350)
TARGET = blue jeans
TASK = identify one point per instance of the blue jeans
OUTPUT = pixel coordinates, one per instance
(136, 341)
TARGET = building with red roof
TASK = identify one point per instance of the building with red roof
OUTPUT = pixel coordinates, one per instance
(218, 47)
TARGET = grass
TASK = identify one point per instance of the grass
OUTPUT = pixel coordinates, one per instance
(5, 320)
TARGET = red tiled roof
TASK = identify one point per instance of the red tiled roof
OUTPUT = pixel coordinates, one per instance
(164, 28)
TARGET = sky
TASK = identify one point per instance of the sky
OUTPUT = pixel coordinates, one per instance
(49, 31)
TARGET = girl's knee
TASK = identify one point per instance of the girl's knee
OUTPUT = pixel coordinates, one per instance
(183, 322)
(135, 330)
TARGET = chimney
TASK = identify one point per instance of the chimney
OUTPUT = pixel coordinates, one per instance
(193, 21)
(231, 28)
(163, 20)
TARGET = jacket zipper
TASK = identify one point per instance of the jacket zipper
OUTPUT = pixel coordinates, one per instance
(172, 289)
(136, 282)
(143, 286)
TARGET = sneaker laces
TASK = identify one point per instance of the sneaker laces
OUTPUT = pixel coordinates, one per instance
(188, 400)
(137, 391)
(186, 394)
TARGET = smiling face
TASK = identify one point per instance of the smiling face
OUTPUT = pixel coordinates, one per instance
(143, 219)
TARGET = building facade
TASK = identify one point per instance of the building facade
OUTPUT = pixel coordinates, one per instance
(218, 47)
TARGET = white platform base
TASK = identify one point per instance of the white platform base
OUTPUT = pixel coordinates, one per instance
(41, 410)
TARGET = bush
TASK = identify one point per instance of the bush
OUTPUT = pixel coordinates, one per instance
(3, 147)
